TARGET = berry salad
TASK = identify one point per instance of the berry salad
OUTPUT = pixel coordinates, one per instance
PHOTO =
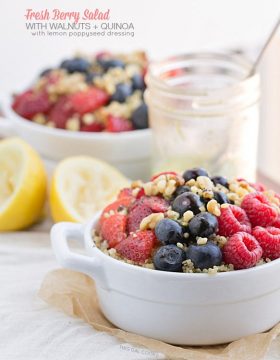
(192, 223)
(94, 94)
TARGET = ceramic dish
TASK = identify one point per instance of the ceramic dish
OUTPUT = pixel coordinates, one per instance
(128, 151)
(179, 308)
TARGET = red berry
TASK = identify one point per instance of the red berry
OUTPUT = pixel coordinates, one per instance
(269, 240)
(118, 124)
(259, 209)
(141, 193)
(116, 206)
(136, 215)
(137, 247)
(125, 192)
(258, 186)
(155, 203)
(113, 229)
(94, 127)
(31, 103)
(61, 112)
(89, 100)
(276, 223)
(232, 220)
(242, 251)
(164, 173)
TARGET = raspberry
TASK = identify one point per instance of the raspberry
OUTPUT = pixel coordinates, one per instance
(164, 173)
(61, 112)
(242, 251)
(137, 247)
(269, 240)
(113, 229)
(118, 124)
(276, 223)
(116, 206)
(232, 220)
(258, 186)
(259, 209)
(94, 127)
(136, 215)
(89, 100)
(31, 103)
(125, 192)
(155, 203)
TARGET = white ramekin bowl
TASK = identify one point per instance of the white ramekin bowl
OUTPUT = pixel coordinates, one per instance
(128, 151)
(179, 308)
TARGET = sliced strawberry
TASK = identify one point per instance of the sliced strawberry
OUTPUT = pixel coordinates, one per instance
(155, 203)
(136, 215)
(137, 247)
(94, 127)
(118, 124)
(31, 103)
(61, 112)
(164, 173)
(125, 192)
(89, 100)
(116, 206)
(141, 193)
(113, 229)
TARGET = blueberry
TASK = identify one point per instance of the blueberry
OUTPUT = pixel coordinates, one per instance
(138, 82)
(169, 258)
(139, 117)
(91, 76)
(45, 72)
(181, 189)
(107, 64)
(122, 92)
(187, 201)
(220, 180)
(221, 197)
(194, 173)
(169, 231)
(204, 256)
(75, 65)
(203, 225)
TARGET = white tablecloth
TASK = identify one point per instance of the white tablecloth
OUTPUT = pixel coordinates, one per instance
(30, 329)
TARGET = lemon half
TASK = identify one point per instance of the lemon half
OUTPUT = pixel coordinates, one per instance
(81, 186)
(23, 184)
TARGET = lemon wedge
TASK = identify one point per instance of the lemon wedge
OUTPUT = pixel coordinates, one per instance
(23, 184)
(81, 186)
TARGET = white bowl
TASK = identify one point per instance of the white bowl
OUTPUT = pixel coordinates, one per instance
(128, 151)
(179, 308)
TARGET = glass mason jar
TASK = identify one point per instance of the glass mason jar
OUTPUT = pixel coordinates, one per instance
(204, 111)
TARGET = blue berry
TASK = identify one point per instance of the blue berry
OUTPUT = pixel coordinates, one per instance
(76, 65)
(91, 76)
(203, 225)
(169, 231)
(45, 72)
(182, 189)
(122, 92)
(138, 82)
(187, 201)
(204, 256)
(194, 173)
(221, 197)
(169, 258)
(139, 117)
(107, 64)
(220, 180)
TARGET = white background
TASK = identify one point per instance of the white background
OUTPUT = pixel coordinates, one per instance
(162, 27)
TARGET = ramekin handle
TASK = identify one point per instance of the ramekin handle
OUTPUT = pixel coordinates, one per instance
(61, 233)
(6, 127)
